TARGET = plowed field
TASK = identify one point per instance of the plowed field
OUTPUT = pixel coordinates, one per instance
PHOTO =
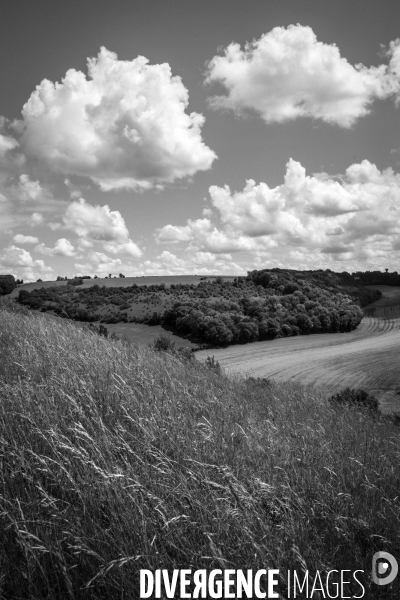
(367, 358)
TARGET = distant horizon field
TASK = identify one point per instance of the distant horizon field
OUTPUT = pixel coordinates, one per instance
(123, 282)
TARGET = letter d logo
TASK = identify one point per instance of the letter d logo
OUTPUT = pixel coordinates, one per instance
(384, 568)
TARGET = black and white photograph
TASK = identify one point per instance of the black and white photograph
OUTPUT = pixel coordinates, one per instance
(199, 299)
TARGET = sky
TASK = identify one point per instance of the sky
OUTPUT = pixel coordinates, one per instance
(151, 137)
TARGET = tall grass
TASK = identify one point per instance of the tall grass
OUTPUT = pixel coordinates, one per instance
(116, 457)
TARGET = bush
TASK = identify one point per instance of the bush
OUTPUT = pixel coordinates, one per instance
(7, 284)
(358, 398)
(75, 281)
(213, 364)
(101, 330)
(185, 354)
(164, 343)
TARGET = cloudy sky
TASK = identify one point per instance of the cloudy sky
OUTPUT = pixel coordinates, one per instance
(174, 136)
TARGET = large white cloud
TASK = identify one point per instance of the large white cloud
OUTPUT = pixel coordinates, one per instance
(100, 224)
(355, 217)
(124, 126)
(288, 73)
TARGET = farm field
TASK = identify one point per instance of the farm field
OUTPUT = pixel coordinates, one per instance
(123, 282)
(366, 358)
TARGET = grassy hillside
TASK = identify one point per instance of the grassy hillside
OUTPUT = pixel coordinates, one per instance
(264, 305)
(117, 457)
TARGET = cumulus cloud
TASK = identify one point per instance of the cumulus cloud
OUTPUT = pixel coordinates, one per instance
(62, 247)
(27, 189)
(20, 263)
(168, 263)
(101, 264)
(124, 126)
(100, 224)
(351, 217)
(204, 235)
(126, 249)
(288, 73)
(20, 238)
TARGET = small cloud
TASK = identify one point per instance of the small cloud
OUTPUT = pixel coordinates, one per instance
(6, 144)
(62, 247)
(29, 190)
(36, 219)
(19, 238)
(100, 224)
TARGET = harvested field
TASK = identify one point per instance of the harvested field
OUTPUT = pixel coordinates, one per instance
(366, 358)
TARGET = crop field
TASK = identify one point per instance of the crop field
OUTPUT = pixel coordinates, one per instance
(366, 358)
(123, 282)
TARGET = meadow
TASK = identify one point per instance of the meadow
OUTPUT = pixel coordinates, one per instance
(117, 457)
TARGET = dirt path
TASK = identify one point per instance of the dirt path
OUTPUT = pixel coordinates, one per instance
(367, 358)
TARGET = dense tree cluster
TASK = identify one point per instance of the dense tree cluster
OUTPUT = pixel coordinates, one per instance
(269, 304)
(7, 284)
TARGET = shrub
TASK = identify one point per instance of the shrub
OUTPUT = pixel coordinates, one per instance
(358, 398)
(185, 354)
(101, 330)
(164, 343)
(74, 281)
(23, 296)
(213, 364)
(7, 284)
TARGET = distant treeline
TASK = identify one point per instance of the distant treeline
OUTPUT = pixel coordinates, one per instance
(265, 304)
(377, 278)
